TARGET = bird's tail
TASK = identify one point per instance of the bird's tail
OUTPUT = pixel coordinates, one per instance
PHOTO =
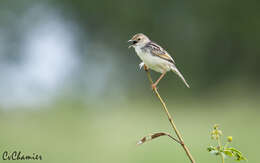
(174, 69)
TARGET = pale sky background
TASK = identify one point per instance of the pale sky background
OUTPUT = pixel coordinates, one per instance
(50, 59)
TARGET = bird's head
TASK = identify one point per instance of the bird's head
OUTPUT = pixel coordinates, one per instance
(138, 40)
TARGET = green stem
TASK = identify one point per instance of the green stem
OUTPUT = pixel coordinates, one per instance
(222, 157)
(219, 143)
(220, 149)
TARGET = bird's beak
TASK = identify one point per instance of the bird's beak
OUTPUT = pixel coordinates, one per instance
(130, 41)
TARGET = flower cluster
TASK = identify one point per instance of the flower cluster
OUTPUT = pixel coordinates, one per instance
(223, 150)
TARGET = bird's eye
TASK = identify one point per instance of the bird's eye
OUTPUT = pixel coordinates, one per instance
(138, 39)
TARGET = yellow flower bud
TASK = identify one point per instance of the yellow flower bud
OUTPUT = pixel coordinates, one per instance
(229, 138)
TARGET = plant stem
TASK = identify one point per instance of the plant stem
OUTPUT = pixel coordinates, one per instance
(222, 158)
(220, 147)
(174, 139)
(219, 143)
(170, 119)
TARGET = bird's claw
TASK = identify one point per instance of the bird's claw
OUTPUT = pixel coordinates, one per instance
(145, 68)
(141, 65)
(153, 86)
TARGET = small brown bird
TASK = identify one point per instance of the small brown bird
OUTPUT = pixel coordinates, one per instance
(154, 57)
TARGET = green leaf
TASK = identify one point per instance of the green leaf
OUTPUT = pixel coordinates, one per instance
(239, 157)
(234, 150)
(214, 152)
(236, 153)
(211, 148)
(228, 153)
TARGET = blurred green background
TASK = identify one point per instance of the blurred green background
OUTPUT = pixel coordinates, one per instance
(71, 91)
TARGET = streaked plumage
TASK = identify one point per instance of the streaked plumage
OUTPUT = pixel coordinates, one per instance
(158, 51)
(154, 56)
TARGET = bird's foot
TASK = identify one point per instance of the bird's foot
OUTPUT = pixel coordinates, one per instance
(146, 68)
(153, 86)
(141, 65)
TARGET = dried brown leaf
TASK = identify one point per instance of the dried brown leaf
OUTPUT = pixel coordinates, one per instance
(153, 136)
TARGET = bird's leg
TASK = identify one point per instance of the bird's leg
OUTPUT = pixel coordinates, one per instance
(158, 80)
(145, 67)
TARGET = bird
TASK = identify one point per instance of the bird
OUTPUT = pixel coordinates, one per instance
(154, 57)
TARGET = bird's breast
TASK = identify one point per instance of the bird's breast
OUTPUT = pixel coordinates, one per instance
(153, 62)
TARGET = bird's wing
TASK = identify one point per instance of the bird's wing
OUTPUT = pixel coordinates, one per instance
(158, 51)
